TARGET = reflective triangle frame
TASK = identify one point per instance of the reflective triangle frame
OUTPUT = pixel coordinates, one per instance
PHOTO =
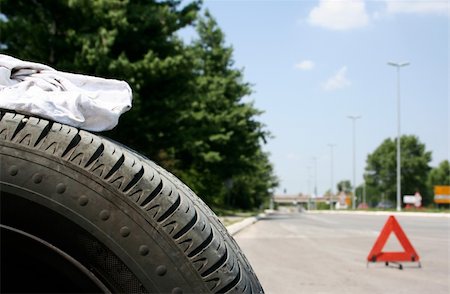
(377, 255)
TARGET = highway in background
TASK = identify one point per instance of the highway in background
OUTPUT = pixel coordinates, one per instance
(326, 253)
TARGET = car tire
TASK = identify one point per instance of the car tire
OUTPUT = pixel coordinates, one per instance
(80, 208)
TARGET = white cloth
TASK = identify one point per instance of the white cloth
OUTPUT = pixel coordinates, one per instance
(85, 102)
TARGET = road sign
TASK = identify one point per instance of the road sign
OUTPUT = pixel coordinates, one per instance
(409, 199)
(442, 194)
(415, 199)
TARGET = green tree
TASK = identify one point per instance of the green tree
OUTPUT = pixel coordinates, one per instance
(130, 40)
(344, 186)
(253, 187)
(382, 166)
(224, 136)
(373, 196)
(440, 175)
(187, 114)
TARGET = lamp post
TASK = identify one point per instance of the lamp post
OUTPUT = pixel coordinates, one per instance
(354, 118)
(331, 173)
(315, 176)
(364, 190)
(398, 66)
(314, 194)
(308, 174)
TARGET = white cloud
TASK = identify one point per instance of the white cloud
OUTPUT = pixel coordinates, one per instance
(305, 65)
(339, 14)
(418, 6)
(338, 81)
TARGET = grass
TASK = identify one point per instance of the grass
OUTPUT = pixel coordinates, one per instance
(226, 221)
(223, 212)
(231, 216)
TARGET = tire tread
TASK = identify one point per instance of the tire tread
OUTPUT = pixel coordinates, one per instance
(191, 225)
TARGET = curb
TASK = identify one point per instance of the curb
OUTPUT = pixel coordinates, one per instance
(406, 213)
(235, 228)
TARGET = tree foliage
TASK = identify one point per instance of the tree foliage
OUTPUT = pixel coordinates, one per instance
(224, 136)
(130, 40)
(439, 176)
(188, 112)
(344, 186)
(381, 169)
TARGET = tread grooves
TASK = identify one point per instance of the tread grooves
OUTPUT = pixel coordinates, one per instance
(27, 136)
(202, 265)
(232, 266)
(171, 223)
(135, 193)
(160, 197)
(216, 282)
(96, 155)
(232, 284)
(185, 241)
(44, 133)
(134, 180)
(20, 126)
(97, 167)
(187, 227)
(115, 167)
(153, 194)
(203, 245)
(75, 140)
(217, 265)
(171, 209)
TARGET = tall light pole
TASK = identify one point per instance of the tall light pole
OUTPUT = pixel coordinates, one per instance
(354, 118)
(331, 173)
(398, 66)
(364, 189)
(315, 181)
(315, 176)
(308, 174)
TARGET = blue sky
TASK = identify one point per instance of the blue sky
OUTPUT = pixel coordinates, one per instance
(313, 63)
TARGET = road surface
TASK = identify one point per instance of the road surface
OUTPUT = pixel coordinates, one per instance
(326, 253)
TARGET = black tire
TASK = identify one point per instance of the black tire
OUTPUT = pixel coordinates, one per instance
(75, 204)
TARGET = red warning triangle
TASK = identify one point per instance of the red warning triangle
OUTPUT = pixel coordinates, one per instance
(376, 254)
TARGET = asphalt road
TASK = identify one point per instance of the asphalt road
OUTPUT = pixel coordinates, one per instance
(326, 253)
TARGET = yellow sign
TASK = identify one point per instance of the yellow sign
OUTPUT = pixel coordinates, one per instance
(442, 194)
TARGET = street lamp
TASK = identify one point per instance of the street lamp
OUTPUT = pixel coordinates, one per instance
(354, 118)
(331, 172)
(315, 181)
(308, 173)
(398, 66)
(315, 176)
(364, 189)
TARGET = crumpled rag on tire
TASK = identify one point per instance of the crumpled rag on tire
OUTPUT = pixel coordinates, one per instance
(85, 102)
